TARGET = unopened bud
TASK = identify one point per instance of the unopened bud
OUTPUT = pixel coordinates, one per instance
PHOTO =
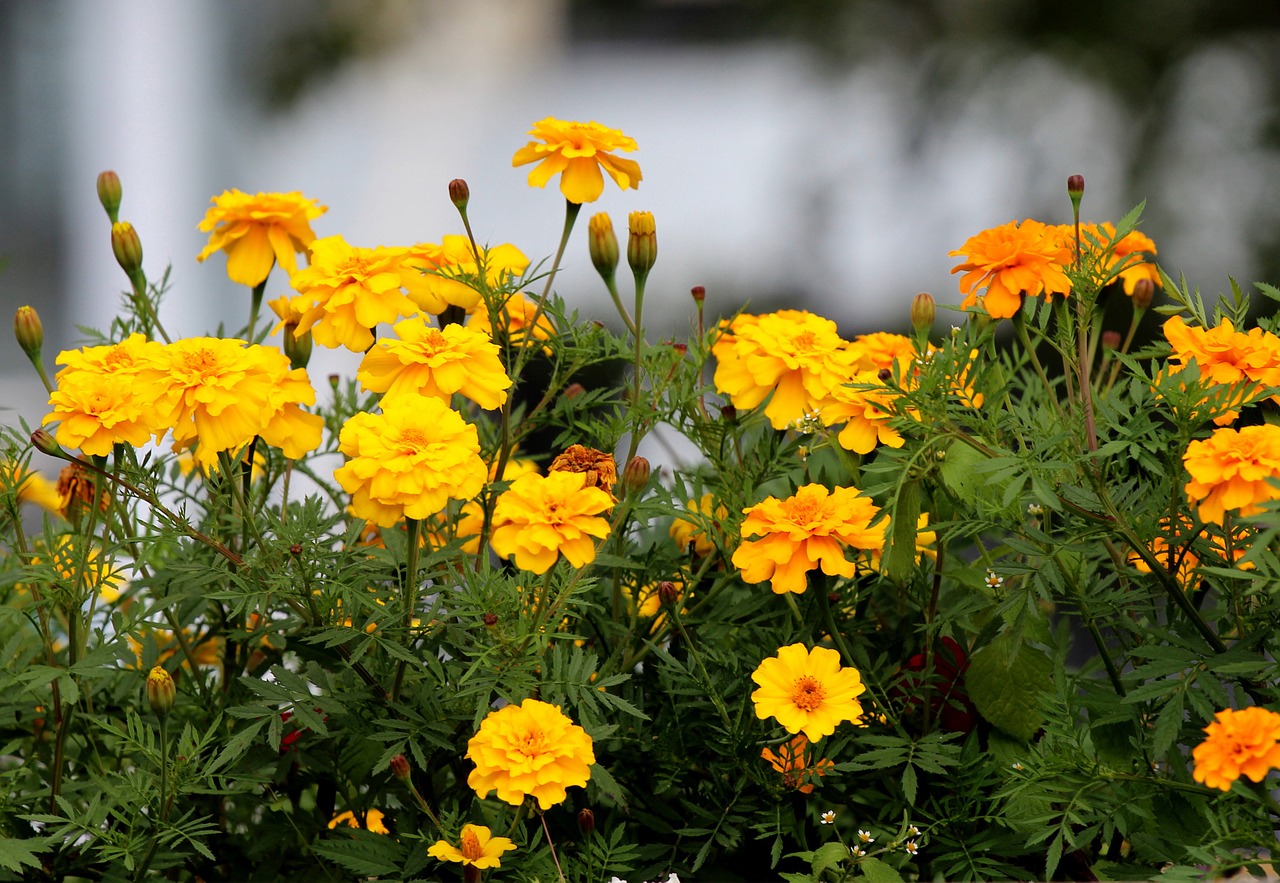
(698, 293)
(885, 375)
(602, 245)
(680, 349)
(334, 380)
(490, 619)
(642, 242)
(400, 767)
(1075, 187)
(728, 413)
(922, 312)
(459, 194)
(1144, 291)
(126, 246)
(298, 349)
(1110, 340)
(668, 592)
(161, 691)
(586, 821)
(45, 443)
(109, 194)
(573, 390)
(29, 332)
(635, 475)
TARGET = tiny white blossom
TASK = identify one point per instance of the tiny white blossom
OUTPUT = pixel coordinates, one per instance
(865, 837)
(994, 580)
(829, 817)
(1017, 766)
(913, 831)
(857, 853)
(1035, 509)
(911, 847)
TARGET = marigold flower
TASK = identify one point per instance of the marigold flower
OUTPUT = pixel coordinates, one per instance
(29, 486)
(811, 528)
(792, 760)
(477, 847)
(1245, 742)
(1099, 240)
(807, 690)
(540, 517)
(532, 749)
(348, 290)
(1225, 356)
(374, 821)
(1009, 260)
(205, 654)
(1233, 470)
(435, 275)
(409, 461)
(422, 360)
(579, 150)
(881, 350)
(791, 357)
(701, 527)
(226, 392)
(598, 467)
(865, 413)
(257, 231)
(161, 692)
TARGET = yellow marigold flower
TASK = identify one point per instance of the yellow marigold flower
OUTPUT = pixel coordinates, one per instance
(531, 749)
(1009, 260)
(1233, 470)
(1226, 356)
(422, 360)
(374, 821)
(807, 691)
(226, 392)
(206, 654)
(1245, 742)
(29, 486)
(348, 290)
(702, 527)
(540, 517)
(514, 319)
(436, 274)
(257, 231)
(792, 760)
(811, 528)
(864, 412)
(477, 847)
(598, 467)
(409, 461)
(791, 357)
(579, 150)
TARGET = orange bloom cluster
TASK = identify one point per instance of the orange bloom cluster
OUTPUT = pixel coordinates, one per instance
(1233, 469)
(532, 749)
(1099, 239)
(810, 529)
(439, 285)
(1010, 260)
(1172, 548)
(1239, 743)
(792, 760)
(517, 315)
(1226, 357)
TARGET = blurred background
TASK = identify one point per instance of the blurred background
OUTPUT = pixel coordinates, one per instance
(824, 154)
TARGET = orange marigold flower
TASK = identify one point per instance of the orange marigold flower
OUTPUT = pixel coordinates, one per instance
(807, 691)
(880, 350)
(226, 392)
(811, 528)
(373, 821)
(437, 273)
(477, 847)
(348, 290)
(422, 360)
(540, 517)
(702, 527)
(791, 357)
(1233, 469)
(532, 749)
(409, 461)
(864, 411)
(514, 320)
(1245, 742)
(792, 760)
(598, 467)
(1009, 260)
(580, 151)
(1225, 356)
(258, 231)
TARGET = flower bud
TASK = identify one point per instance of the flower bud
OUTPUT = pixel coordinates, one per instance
(29, 332)
(668, 592)
(109, 193)
(922, 312)
(698, 293)
(573, 390)
(728, 413)
(1110, 340)
(334, 380)
(127, 246)
(635, 476)
(602, 245)
(884, 375)
(586, 821)
(490, 619)
(161, 691)
(680, 349)
(298, 349)
(642, 242)
(400, 767)
(1075, 187)
(45, 443)
(459, 194)
(1144, 291)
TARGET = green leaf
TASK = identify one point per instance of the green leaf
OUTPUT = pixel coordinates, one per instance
(909, 784)
(878, 872)
(1006, 682)
(15, 853)
(900, 557)
(828, 855)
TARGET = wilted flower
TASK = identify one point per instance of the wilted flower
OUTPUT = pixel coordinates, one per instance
(1239, 743)
(257, 231)
(807, 690)
(529, 750)
(579, 150)
(599, 468)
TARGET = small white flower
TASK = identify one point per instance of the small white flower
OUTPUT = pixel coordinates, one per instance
(913, 831)
(829, 817)
(955, 329)
(1035, 509)
(810, 423)
(911, 847)
(1017, 766)
(865, 837)
(856, 852)
(994, 580)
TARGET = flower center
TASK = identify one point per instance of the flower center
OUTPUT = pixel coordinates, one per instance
(530, 743)
(471, 845)
(412, 441)
(807, 694)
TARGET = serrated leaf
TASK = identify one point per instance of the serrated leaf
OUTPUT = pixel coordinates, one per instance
(1006, 688)
(828, 855)
(878, 872)
(899, 560)
(15, 853)
(909, 784)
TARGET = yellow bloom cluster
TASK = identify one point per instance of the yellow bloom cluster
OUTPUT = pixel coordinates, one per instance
(529, 750)
(1239, 743)
(422, 360)
(1099, 240)
(477, 848)
(437, 286)
(579, 151)
(540, 517)
(215, 394)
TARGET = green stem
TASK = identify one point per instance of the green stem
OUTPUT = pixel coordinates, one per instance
(255, 304)
(408, 599)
